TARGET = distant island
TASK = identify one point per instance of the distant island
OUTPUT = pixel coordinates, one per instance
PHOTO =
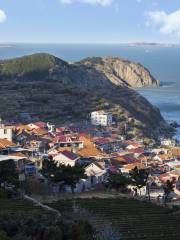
(152, 44)
(6, 45)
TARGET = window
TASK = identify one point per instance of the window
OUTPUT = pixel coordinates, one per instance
(5, 131)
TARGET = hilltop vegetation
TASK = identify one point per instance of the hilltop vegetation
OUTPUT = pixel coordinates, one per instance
(25, 65)
(34, 66)
(45, 87)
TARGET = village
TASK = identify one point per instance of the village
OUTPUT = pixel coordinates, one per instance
(100, 148)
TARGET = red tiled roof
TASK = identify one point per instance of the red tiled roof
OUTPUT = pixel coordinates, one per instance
(101, 141)
(126, 159)
(136, 150)
(129, 159)
(113, 169)
(69, 155)
(40, 124)
(60, 129)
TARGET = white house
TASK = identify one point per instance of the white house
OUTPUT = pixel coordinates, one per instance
(95, 173)
(6, 132)
(66, 158)
(101, 118)
(19, 161)
(167, 142)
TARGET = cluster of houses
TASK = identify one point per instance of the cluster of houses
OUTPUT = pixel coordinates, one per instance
(99, 147)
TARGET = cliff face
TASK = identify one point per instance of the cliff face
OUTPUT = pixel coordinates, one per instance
(122, 72)
(49, 88)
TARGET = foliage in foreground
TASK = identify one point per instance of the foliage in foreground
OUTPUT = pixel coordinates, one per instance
(8, 172)
(42, 227)
(61, 173)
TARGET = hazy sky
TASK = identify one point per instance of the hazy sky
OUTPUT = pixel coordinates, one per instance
(89, 21)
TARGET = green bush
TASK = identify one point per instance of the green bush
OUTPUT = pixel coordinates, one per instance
(3, 194)
(38, 226)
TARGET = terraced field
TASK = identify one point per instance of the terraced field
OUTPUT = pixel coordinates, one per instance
(133, 219)
(22, 206)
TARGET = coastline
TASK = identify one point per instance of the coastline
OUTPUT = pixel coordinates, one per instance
(148, 93)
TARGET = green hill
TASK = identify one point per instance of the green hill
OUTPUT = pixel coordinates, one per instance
(48, 88)
(33, 66)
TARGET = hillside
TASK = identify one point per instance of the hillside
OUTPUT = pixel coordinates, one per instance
(43, 86)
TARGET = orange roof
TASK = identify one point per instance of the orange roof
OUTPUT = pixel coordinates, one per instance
(163, 156)
(133, 165)
(119, 158)
(23, 127)
(18, 154)
(177, 166)
(4, 143)
(89, 149)
(60, 149)
(39, 131)
(175, 173)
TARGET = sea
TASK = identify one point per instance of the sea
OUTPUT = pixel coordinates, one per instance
(163, 61)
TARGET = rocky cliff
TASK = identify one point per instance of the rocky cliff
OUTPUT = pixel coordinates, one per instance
(122, 72)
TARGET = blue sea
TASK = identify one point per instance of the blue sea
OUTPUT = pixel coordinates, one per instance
(162, 61)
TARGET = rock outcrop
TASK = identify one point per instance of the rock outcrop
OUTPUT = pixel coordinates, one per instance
(122, 72)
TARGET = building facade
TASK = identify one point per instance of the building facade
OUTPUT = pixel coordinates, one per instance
(6, 132)
(101, 118)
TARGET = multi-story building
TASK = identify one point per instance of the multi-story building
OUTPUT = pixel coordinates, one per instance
(101, 118)
(6, 132)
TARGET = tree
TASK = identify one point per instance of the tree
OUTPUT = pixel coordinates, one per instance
(168, 188)
(108, 232)
(8, 172)
(117, 181)
(82, 230)
(68, 174)
(53, 233)
(49, 168)
(139, 177)
(3, 236)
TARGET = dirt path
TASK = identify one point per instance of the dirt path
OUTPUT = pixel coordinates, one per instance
(50, 199)
(44, 206)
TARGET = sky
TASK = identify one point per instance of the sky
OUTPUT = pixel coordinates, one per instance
(89, 21)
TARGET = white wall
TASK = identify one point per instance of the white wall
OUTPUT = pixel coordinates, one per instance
(61, 159)
(6, 133)
(101, 118)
